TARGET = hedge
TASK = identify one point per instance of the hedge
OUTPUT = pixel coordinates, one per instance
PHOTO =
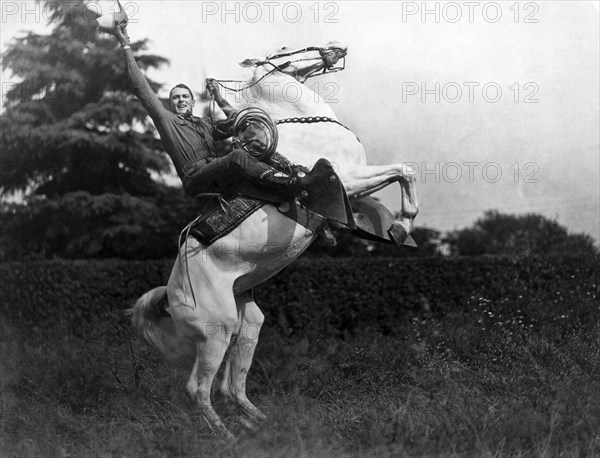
(344, 295)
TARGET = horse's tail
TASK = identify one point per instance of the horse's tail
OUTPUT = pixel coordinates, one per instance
(152, 322)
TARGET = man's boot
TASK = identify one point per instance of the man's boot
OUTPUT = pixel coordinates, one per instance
(299, 182)
(283, 183)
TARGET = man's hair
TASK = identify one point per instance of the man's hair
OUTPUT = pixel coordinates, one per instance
(181, 85)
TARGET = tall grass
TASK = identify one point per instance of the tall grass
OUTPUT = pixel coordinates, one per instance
(496, 376)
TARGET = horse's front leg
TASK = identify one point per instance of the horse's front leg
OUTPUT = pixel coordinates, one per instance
(361, 181)
(409, 208)
(410, 204)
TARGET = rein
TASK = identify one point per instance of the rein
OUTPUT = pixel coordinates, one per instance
(249, 85)
(283, 66)
(280, 68)
(287, 54)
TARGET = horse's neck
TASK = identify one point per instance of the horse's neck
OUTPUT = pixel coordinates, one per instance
(282, 96)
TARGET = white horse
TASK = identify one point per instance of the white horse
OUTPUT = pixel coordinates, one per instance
(209, 292)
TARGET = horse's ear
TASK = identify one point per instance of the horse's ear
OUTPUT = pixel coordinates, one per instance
(249, 63)
(336, 45)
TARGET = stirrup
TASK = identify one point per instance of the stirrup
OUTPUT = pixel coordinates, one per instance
(321, 191)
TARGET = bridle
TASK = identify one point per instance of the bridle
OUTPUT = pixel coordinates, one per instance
(326, 69)
(281, 67)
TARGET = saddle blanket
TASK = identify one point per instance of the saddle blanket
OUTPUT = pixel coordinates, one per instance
(220, 218)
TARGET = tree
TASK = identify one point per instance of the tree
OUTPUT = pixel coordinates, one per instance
(82, 152)
(498, 233)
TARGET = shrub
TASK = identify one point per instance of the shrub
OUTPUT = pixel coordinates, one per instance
(333, 294)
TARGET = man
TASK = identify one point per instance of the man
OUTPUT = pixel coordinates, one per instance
(190, 141)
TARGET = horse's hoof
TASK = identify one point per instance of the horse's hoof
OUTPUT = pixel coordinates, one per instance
(398, 233)
(226, 436)
(248, 424)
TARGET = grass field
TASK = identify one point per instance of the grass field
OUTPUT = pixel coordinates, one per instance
(495, 378)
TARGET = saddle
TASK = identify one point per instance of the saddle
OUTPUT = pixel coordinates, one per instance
(322, 197)
(321, 191)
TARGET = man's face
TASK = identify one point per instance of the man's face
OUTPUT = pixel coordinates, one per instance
(181, 101)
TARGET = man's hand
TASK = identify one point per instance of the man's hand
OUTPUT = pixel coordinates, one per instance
(213, 89)
(121, 34)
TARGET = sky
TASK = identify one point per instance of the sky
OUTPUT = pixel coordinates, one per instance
(496, 104)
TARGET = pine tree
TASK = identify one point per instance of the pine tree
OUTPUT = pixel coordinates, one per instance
(79, 148)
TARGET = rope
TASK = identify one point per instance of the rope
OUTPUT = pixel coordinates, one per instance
(187, 230)
(257, 119)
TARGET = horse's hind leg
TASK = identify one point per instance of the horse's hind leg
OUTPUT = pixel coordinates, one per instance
(210, 322)
(240, 357)
(210, 350)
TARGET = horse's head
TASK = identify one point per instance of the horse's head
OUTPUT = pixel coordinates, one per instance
(303, 63)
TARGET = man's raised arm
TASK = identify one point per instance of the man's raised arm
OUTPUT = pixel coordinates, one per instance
(140, 85)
